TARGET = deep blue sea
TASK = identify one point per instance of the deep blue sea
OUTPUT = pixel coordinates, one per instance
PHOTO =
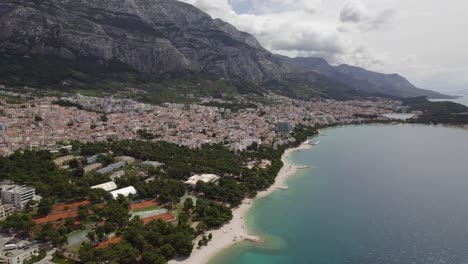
(384, 194)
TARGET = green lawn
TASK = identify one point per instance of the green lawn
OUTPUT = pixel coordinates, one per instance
(182, 200)
(74, 249)
(180, 206)
(87, 223)
(95, 93)
(59, 260)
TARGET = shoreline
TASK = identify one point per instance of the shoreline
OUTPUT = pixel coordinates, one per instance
(235, 231)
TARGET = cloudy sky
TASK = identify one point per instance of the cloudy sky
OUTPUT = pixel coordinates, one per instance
(424, 40)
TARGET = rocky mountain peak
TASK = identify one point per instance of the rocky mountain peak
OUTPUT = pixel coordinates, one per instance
(159, 37)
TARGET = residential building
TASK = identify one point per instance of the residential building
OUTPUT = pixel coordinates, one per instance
(284, 128)
(17, 195)
(18, 253)
(192, 181)
(6, 210)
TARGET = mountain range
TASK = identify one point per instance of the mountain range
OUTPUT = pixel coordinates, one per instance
(51, 42)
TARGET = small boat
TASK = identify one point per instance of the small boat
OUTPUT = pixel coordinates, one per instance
(283, 188)
(316, 143)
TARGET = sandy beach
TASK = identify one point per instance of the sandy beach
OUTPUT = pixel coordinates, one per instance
(236, 231)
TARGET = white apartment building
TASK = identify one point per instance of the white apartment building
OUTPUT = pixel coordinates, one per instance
(17, 195)
(19, 254)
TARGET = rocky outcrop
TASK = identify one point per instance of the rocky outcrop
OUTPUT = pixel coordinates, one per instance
(151, 36)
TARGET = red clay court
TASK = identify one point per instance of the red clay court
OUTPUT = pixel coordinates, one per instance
(55, 217)
(109, 242)
(63, 207)
(143, 205)
(61, 212)
(165, 217)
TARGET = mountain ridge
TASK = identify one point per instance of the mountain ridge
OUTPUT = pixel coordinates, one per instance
(157, 37)
(360, 78)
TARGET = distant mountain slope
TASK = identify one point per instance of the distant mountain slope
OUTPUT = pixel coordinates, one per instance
(123, 40)
(362, 79)
(391, 84)
(306, 85)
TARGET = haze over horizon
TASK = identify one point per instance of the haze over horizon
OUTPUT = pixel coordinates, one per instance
(423, 42)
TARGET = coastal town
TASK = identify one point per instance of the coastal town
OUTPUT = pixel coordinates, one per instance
(113, 168)
(42, 123)
(233, 132)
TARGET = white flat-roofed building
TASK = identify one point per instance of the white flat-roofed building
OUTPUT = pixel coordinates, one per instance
(17, 195)
(153, 164)
(127, 159)
(18, 253)
(108, 186)
(192, 181)
(124, 191)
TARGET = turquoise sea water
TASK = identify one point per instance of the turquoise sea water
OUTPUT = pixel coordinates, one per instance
(393, 194)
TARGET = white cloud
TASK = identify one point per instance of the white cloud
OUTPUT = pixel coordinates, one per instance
(295, 27)
(357, 13)
(215, 8)
(277, 6)
(423, 41)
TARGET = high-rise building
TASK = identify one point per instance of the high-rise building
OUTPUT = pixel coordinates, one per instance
(284, 127)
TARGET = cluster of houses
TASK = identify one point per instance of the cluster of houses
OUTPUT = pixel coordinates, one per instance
(41, 123)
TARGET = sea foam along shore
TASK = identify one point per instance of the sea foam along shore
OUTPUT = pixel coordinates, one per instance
(235, 230)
